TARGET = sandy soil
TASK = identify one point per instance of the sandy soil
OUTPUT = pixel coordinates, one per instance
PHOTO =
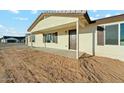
(22, 64)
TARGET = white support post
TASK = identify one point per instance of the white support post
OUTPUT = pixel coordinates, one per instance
(77, 39)
(31, 40)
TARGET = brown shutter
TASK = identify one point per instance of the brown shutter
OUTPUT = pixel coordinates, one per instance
(44, 38)
(100, 35)
(56, 37)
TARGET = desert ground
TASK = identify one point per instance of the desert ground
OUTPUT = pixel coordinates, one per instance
(22, 64)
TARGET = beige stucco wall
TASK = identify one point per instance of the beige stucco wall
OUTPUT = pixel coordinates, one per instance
(29, 43)
(63, 39)
(112, 51)
(86, 39)
(38, 40)
(87, 42)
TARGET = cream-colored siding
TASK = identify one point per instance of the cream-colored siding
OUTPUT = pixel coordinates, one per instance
(38, 40)
(63, 39)
(112, 51)
(86, 39)
(88, 44)
(29, 42)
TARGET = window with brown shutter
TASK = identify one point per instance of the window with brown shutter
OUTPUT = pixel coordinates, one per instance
(100, 35)
(50, 37)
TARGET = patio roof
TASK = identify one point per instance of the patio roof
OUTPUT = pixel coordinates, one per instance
(54, 22)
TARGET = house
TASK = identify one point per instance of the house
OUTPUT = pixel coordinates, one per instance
(12, 39)
(73, 30)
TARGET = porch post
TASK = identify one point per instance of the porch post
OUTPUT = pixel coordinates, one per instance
(31, 40)
(77, 39)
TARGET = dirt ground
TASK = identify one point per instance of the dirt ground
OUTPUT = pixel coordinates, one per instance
(21, 64)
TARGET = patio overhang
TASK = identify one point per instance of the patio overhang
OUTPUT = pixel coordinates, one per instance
(54, 22)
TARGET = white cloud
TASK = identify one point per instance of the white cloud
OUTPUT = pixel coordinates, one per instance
(97, 15)
(34, 11)
(1, 26)
(21, 18)
(14, 11)
(107, 15)
(93, 18)
(94, 11)
(9, 31)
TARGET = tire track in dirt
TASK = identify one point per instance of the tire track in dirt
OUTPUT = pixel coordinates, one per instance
(94, 70)
(50, 70)
(28, 65)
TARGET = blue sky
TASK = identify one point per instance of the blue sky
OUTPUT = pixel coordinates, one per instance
(16, 23)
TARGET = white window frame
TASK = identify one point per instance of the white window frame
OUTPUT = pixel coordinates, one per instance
(113, 23)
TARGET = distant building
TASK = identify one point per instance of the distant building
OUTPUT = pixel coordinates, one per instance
(12, 39)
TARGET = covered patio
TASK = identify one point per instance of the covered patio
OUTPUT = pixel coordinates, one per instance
(55, 22)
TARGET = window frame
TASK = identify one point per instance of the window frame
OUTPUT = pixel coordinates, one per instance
(113, 23)
(51, 37)
(117, 32)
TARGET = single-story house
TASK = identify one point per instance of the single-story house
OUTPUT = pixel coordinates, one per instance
(12, 39)
(73, 30)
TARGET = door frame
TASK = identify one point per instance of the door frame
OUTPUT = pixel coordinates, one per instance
(69, 39)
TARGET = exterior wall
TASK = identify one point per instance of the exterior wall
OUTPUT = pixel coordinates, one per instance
(38, 41)
(88, 44)
(63, 39)
(29, 42)
(112, 51)
(86, 41)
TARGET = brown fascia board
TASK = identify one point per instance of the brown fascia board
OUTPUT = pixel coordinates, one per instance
(41, 16)
(88, 18)
(110, 19)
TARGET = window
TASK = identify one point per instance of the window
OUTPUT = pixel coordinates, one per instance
(50, 37)
(122, 34)
(100, 35)
(33, 38)
(111, 34)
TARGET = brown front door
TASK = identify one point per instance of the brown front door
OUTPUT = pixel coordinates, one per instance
(72, 39)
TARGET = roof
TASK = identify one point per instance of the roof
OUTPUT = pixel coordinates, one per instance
(17, 37)
(110, 19)
(54, 22)
(63, 13)
(84, 13)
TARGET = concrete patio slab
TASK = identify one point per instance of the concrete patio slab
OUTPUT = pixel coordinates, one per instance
(65, 53)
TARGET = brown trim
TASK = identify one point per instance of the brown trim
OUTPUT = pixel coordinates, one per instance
(88, 18)
(110, 19)
(121, 15)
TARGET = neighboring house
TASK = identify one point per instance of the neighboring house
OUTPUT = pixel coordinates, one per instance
(73, 30)
(12, 39)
